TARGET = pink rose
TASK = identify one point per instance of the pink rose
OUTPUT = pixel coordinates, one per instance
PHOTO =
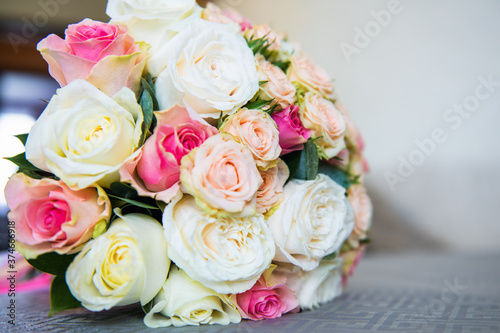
(293, 134)
(154, 171)
(256, 130)
(269, 298)
(222, 176)
(310, 75)
(49, 216)
(362, 208)
(270, 193)
(101, 53)
(276, 84)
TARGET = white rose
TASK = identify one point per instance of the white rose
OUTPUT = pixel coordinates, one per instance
(183, 301)
(227, 255)
(84, 136)
(316, 287)
(153, 21)
(125, 265)
(314, 220)
(208, 67)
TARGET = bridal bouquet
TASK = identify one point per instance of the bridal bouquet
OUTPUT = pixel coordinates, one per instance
(193, 163)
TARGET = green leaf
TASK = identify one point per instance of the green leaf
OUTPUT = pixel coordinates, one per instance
(311, 160)
(331, 256)
(292, 160)
(52, 263)
(21, 161)
(61, 297)
(283, 65)
(221, 120)
(365, 241)
(257, 105)
(335, 173)
(146, 103)
(22, 137)
(148, 86)
(122, 190)
(133, 202)
(147, 307)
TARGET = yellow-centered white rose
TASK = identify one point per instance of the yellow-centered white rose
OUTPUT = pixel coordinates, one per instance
(208, 67)
(314, 220)
(183, 301)
(84, 136)
(227, 255)
(125, 265)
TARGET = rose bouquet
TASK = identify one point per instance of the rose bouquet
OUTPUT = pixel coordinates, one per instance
(190, 162)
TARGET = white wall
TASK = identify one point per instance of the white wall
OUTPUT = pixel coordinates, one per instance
(398, 88)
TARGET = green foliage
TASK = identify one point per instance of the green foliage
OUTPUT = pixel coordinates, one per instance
(52, 263)
(61, 297)
(126, 198)
(149, 104)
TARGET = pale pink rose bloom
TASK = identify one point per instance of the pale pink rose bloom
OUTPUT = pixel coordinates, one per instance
(270, 193)
(303, 70)
(293, 134)
(353, 132)
(214, 13)
(222, 177)
(351, 260)
(259, 31)
(325, 122)
(277, 85)
(50, 217)
(154, 170)
(363, 210)
(269, 298)
(256, 130)
(101, 53)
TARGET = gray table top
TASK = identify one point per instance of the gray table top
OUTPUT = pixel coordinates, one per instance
(390, 293)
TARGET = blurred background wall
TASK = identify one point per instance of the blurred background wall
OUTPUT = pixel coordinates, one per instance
(421, 79)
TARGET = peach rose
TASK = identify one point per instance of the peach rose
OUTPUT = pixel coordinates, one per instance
(257, 130)
(263, 30)
(154, 171)
(362, 208)
(325, 122)
(101, 53)
(222, 176)
(310, 75)
(50, 217)
(270, 193)
(277, 85)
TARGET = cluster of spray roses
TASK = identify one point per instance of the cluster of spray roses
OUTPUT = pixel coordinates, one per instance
(191, 162)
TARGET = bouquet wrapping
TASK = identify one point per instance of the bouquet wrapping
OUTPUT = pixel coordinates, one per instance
(191, 162)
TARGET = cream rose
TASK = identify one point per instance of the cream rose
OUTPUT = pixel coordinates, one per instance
(227, 255)
(304, 71)
(183, 301)
(84, 136)
(153, 21)
(125, 265)
(270, 193)
(208, 67)
(325, 122)
(222, 176)
(276, 86)
(316, 287)
(314, 220)
(258, 131)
